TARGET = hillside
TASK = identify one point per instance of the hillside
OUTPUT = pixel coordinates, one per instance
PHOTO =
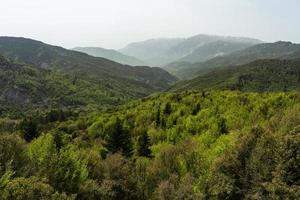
(277, 50)
(52, 57)
(159, 52)
(25, 88)
(151, 51)
(189, 145)
(110, 54)
(214, 49)
(193, 43)
(205, 52)
(258, 76)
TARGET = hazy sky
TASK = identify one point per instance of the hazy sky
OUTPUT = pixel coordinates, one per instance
(114, 23)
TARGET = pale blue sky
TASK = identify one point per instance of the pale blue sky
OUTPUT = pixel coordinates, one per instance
(114, 23)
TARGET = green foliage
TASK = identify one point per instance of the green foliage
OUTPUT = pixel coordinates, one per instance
(29, 129)
(189, 145)
(27, 188)
(143, 145)
(30, 189)
(258, 76)
(42, 151)
(117, 138)
(67, 171)
(275, 50)
(63, 167)
(71, 78)
(12, 154)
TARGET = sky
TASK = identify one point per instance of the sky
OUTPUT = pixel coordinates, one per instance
(115, 23)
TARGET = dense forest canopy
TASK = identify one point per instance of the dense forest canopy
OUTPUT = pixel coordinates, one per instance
(186, 145)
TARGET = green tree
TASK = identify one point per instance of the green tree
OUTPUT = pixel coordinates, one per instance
(12, 154)
(29, 129)
(67, 171)
(31, 188)
(27, 189)
(63, 168)
(143, 144)
(167, 109)
(118, 139)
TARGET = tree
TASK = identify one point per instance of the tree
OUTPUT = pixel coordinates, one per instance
(67, 171)
(157, 118)
(286, 180)
(27, 189)
(229, 178)
(30, 189)
(222, 126)
(143, 145)
(42, 152)
(118, 181)
(12, 154)
(167, 109)
(118, 139)
(63, 168)
(29, 129)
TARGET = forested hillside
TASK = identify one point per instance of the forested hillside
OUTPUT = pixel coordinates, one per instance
(278, 50)
(111, 55)
(52, 57)
(259, 76)
(26, 88)
(198, 48)
(188, 145)
(214, 49)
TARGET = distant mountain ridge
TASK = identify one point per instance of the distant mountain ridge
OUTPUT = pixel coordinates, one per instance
(151, 51)
(52, 57)
(25, 88)
(277, 50)
(213, 50)
(159, 52)
(111, 55)
(258, 76)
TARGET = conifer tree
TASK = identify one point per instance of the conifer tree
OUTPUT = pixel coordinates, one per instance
(118, 139)
(143, 145)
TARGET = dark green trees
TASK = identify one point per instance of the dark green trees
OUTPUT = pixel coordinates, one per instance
(29, 129)
(117, 138)
(143, 145)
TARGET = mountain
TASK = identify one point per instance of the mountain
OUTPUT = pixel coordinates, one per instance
(277, 50)
(258, 76)
(160, 52)
(202, 42)
(205, 52)
(52, 57)
(151, 51)
(214, 49)
(111, 55)
(24, 88)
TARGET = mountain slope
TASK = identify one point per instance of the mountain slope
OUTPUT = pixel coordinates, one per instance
(111, 55)
(277, 50)
(52, 57)
(25, 87)
(193, 43)
(259, 76)
(214, 49)
(151, 51)
(159, 52)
